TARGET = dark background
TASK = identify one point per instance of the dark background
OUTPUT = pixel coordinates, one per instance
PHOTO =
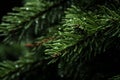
(7, 5)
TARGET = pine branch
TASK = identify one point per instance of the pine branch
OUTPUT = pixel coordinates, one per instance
(22, 20)
(95, 37)
(79, 39)
(12, 70)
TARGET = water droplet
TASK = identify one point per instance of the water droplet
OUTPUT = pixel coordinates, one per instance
(16, 66)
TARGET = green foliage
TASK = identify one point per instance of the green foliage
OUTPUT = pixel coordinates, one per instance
(115, 77)
(12, 52)
(61, 37)
(29, 21)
